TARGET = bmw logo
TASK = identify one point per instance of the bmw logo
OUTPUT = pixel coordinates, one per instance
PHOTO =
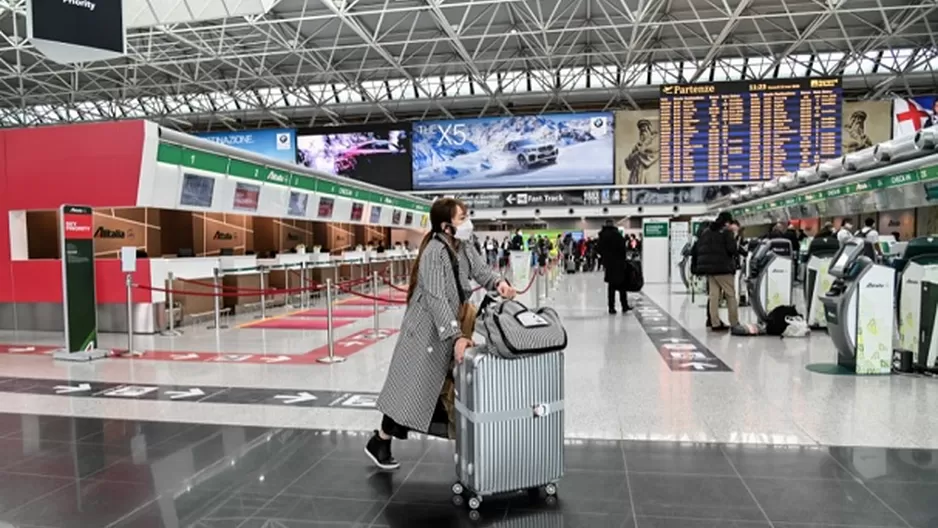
(599, 122)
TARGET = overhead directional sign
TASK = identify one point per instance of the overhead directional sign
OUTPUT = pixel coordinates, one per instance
(680, 350)
(560, 198)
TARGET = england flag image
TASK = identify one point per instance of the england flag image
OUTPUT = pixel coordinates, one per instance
(911, 115)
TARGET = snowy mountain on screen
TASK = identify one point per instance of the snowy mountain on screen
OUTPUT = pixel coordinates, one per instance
(484, 148)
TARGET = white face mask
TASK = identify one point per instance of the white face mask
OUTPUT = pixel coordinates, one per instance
(464, 230)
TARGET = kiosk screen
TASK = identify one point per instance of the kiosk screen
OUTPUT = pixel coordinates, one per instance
(846, 254)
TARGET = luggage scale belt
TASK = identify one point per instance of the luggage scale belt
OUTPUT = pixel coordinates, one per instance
(504, 416)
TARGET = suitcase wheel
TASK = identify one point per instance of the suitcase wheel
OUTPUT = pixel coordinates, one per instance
(550, 490)
(475, 502)
(458, 489)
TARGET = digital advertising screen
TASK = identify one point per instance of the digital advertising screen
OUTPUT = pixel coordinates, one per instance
(279, 143)
(358, 211)
(246, 196)
(197, 191)
(325, 207)
(516, 151)
(299, 203)
(409, 219)
(396, 217)
(376, 154)
(375, 214)
(741, 131)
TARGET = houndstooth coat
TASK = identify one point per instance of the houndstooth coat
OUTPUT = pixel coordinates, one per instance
(424, 351)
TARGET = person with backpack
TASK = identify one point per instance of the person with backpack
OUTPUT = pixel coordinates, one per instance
(715, 257)
(871, 236)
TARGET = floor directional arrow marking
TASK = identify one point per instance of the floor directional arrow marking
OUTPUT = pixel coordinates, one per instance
(679, 348)
(299, 397)
(697, 365)
(191, 393)
(277, 359)
(68, 389)
(183, 357)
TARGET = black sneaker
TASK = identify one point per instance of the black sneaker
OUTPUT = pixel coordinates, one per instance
(379, 451)
(612, 311)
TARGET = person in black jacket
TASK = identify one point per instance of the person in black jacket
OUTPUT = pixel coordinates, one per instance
(611, 248)
(716, 252)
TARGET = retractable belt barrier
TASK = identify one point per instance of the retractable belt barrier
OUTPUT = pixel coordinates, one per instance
(541, 280)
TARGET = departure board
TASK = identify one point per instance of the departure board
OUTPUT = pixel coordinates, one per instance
(742, 131)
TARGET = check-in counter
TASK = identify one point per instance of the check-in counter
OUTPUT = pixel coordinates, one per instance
(351, 265)
(175, 274)
(320, 266)
(239, 273)
(283, 273)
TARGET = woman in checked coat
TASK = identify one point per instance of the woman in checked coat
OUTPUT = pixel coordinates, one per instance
(431, 337)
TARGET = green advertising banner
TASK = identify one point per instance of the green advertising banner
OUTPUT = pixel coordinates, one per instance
(655, 230)
(78, 288)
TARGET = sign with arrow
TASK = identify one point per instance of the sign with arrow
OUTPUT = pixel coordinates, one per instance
(275, 359)
(182, 395)
(680, 350)
(71, 389)
(300, 397)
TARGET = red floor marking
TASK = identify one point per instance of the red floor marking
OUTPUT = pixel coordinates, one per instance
(358, 301)
(27, 350)
(298, 323)
(350, 313)
(343, 347)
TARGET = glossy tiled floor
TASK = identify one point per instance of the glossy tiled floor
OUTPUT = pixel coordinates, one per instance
(66, 472)
(650, 443)
(618, 385)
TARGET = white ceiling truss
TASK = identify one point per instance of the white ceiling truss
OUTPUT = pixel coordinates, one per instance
(320, 62)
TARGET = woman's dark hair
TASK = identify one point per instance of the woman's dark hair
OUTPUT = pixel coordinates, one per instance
(442, 213)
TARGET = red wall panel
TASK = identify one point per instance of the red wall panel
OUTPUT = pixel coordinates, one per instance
(39, 281)
(6, 273)
(42, 168)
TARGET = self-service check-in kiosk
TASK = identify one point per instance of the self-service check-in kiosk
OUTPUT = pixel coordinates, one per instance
(770, 272)
(817, 280)
(859, 309)
(917, 300)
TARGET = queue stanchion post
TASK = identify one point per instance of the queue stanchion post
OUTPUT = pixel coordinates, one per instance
(330, 331)
(302, 285)
(129, 284)
(374, 296)
(263, 283)
(537, 288)
(287, 302)
(171, 308)
(216, 305)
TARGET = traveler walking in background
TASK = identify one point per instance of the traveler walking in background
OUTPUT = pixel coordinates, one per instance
(613, 253)
(432, 334)
(846, 231)
(716, 251)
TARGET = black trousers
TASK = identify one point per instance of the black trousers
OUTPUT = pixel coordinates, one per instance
(611, 290)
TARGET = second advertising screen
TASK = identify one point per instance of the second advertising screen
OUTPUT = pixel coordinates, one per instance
(376, 154)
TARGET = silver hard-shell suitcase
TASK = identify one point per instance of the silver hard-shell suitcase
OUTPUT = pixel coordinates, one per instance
(509, 424)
